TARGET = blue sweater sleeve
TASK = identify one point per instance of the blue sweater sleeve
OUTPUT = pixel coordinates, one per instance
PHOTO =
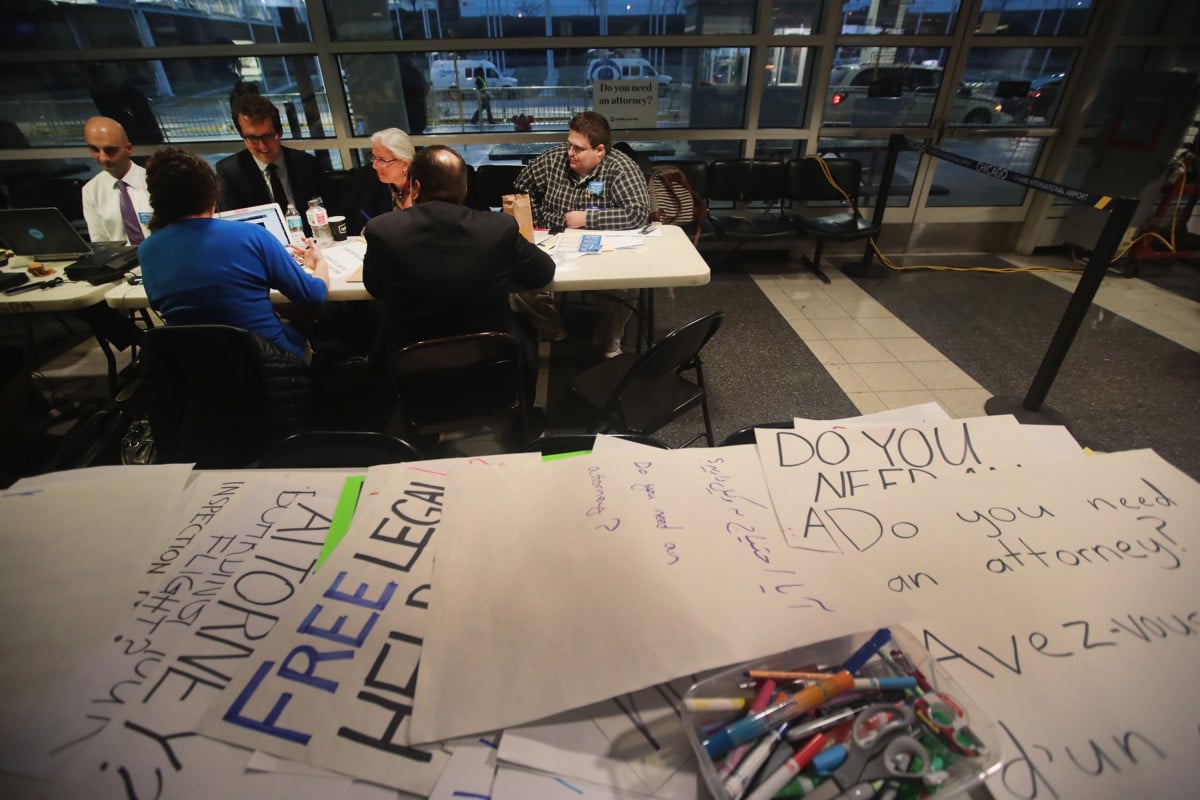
(284, 274)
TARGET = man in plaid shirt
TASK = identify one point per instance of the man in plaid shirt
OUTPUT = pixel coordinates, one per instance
(585, 183)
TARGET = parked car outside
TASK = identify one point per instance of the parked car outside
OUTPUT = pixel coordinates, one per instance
(1042, 100)
(903, 96)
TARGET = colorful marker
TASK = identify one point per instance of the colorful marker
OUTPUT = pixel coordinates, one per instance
(757, 725)
(787, 675)
(864, 653)
(760, 702)
(799, 760)
(739, 780)
(798, 732)
(884, 684)
(717, 703)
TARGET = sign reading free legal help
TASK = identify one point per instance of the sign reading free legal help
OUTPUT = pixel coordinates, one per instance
(628, 103)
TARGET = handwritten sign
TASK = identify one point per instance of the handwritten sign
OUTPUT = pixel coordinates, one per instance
(630, 570)
(1066, 604)
(818, 463)
(627, 103)
(334, 683)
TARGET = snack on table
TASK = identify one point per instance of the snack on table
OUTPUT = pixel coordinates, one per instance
(40, 270)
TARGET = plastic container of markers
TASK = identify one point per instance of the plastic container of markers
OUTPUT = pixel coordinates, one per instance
(960, 738)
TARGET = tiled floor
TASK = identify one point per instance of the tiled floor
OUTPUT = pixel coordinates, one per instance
(880, 363)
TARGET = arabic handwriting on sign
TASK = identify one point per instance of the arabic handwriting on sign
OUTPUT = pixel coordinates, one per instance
(672, 556)
(791, 590)
(643, 467)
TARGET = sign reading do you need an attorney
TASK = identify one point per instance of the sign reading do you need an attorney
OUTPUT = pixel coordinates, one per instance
(627, 103)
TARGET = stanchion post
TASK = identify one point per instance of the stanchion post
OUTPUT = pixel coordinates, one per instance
(1121, 211)
(864, 269)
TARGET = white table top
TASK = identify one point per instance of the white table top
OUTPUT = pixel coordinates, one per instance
(70, 296)
(664, 258)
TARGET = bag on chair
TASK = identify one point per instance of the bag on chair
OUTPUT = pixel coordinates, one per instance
(673, 201)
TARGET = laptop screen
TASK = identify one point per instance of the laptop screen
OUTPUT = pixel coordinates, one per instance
(41, 232)
(268, 215)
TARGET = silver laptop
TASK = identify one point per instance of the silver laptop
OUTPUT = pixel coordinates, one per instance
(268, 215)
(41, 232)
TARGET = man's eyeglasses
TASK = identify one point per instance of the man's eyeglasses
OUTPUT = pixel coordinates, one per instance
(577, 150)
(383, 162)
(265, 138)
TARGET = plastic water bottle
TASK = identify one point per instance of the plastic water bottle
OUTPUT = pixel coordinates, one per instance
(318, 220)
(295, 225)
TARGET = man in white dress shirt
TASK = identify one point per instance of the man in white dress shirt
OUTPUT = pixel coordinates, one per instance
(116, 204)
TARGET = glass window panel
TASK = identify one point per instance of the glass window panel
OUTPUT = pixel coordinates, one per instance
(1034, 17)
(1121, 71)
(138, 23)
(1145, 17)
(423, 20)
(888, 87)
(531, 90)
(926, 17)
(958, 186)
(795, 17)
(169, 100)
(785, 88)
(1026, 81)
(873, 155)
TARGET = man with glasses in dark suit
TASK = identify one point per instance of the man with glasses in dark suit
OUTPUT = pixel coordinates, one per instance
(266, 171)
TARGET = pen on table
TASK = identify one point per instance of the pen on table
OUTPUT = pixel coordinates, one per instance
(715, 703)
(757, 725)
(787, 675)
(738, 781)
(760, 702)
(780, 777)
(864, 653)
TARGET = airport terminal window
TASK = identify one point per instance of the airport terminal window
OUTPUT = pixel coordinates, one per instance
(795, 17)
(69, 25)
(959, 186)
(1034, 18)
(532, 90)
(1026, 81)
(785, 87)
(922, 17)
(424, 21)
(885, 87)
(168, 100)
(872, 153)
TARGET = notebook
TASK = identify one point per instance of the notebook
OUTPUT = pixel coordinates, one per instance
(41, 232)
(268, 215)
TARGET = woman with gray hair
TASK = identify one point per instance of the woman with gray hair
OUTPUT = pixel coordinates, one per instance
(391, 153)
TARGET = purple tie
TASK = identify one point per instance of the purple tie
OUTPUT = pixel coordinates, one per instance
(133, 228)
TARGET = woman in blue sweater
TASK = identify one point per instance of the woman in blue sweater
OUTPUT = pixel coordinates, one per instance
(201, 270)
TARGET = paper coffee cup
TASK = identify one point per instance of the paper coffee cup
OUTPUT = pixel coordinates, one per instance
(338, 226)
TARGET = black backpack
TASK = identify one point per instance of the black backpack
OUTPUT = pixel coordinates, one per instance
(673, 201)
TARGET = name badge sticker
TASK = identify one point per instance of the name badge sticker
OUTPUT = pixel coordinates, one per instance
(144, 217)
(595, 187)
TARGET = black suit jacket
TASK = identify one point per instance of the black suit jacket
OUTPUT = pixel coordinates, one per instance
(242, 184)
(443, 270)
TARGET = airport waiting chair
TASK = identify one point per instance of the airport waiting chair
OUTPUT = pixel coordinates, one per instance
(641, 394)
(580, 442)
(749, 183)
(808, 181)
(746, 435)
(493, 181)
(338, 449)
(461, 383)
(217, 395)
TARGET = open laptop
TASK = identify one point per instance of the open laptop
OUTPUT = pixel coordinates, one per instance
(268, 215)
(45, 234)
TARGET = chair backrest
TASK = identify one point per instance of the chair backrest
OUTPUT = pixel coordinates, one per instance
(678, 350)
(746, 179)
(220, 395)
(338, 449)
(807, 182)
(674, 200)
(492, 181)
(746, 435)
(577, 442)
(460, 382)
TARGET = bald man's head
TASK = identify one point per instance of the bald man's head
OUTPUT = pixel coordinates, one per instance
(438, 173)
(109, 145)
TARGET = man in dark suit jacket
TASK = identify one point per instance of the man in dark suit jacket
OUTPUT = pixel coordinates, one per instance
(246, 178)
(442, 269)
